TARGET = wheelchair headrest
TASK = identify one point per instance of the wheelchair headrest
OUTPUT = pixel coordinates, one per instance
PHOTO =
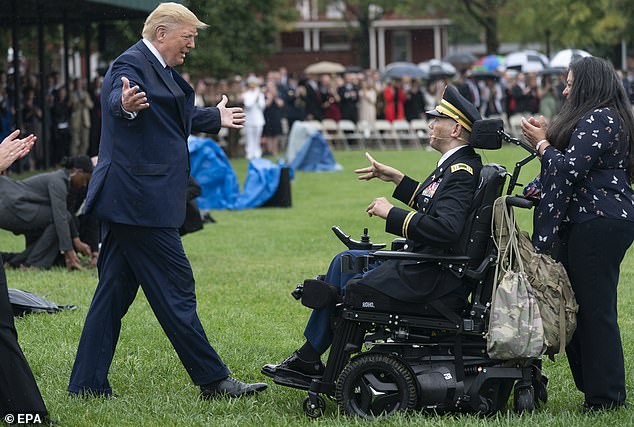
(486, 134)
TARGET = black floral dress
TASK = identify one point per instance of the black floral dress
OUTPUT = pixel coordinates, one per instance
(588, 180)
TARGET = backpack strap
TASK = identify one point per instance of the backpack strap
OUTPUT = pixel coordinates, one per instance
(562, 326)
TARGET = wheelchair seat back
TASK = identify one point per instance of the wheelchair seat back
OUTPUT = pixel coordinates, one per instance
(476, 239)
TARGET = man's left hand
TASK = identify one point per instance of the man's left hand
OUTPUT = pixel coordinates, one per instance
(230, 117)
(379, 207)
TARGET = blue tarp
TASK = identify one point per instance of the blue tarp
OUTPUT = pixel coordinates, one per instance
(219, 184)
(263, 177)
(213, 172)
(315, 156)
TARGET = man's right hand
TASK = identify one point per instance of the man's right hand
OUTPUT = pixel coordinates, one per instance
(379, 170)
(72, 261)
(132, 100)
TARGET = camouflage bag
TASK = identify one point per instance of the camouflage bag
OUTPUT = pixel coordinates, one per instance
(554, 294)
(515, 324)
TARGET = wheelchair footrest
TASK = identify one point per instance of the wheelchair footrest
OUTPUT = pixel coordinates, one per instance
(319, 294)
(299, 382)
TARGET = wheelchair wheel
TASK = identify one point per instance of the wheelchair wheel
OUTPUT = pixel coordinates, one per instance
(375, 385)
(314, 411)
(523, 399)
(540, 387)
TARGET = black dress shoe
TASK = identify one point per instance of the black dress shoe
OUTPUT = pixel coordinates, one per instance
(590, 408)
(230, 387)
(295, 365)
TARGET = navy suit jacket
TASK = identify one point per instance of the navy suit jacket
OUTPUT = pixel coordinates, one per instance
(141, 177)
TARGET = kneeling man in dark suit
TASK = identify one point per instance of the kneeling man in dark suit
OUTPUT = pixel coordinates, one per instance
(138, 192)
(439, 206)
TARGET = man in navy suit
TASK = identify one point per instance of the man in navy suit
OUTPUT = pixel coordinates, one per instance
(138, 191)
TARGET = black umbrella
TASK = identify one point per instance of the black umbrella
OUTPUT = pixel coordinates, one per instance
(552, 71)
(484, 75)
(437, 69)
(460, 58)
(398, 70)
(353, 69)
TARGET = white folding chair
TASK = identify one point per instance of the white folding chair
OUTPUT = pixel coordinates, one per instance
(385, 131)
(404, 132)
(420, 128)
(330, 129)
(349, 131)
(315, 124)
(366, 129)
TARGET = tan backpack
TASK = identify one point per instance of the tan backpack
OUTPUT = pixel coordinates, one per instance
(549, 282)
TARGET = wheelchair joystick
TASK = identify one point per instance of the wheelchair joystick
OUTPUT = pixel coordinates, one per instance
(363, 244)
(365, 238)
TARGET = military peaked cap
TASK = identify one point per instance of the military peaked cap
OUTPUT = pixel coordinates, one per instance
(456, 107)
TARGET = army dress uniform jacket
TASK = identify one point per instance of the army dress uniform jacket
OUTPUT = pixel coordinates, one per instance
(442, 202)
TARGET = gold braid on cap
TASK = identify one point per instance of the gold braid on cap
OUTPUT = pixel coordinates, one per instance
(446, 108)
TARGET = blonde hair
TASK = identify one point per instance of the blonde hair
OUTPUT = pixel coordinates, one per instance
(169, 15)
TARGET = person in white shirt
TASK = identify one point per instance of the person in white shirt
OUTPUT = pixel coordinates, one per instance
(254, 104)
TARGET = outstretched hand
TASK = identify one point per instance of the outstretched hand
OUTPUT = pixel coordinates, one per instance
(230, 117)
(379, 170)
(13, 148)
(132, 100)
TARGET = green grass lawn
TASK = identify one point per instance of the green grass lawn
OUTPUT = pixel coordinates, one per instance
(245, 267)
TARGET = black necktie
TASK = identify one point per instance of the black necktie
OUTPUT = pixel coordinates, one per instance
(168, 69)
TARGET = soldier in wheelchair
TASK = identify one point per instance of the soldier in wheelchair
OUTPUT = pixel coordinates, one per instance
(427, 355)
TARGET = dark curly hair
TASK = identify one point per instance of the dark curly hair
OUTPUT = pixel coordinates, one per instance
(82, 163)
(596, 85)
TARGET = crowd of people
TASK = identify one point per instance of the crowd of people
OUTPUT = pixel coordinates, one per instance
(273, 101)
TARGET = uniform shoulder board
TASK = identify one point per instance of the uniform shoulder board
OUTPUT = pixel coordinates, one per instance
(461, 166)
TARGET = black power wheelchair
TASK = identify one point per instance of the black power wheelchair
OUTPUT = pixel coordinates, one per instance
(426, 356)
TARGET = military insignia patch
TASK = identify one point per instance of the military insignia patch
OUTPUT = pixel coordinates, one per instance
(430, 190)
(461, 166)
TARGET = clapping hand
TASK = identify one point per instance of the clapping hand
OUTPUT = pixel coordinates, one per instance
(534, 130)
(13, 148)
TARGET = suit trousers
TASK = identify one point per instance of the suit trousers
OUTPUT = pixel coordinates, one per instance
(153, 258)
(42, 249)
(18, 391)
(592, 252)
